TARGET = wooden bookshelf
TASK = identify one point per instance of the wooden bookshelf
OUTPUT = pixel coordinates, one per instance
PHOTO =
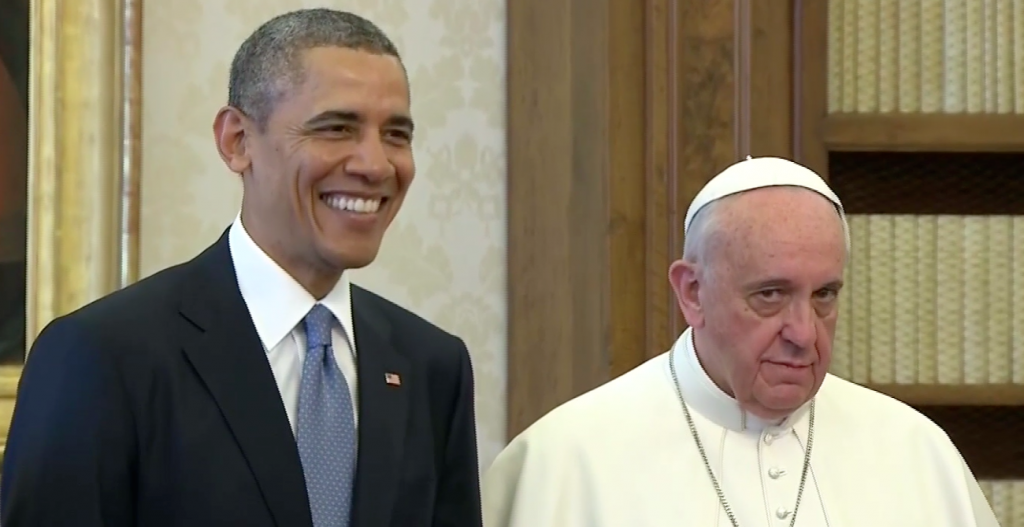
(983, 421)
(919, 164)
(918, 395)
(919, 172)
(923, 133)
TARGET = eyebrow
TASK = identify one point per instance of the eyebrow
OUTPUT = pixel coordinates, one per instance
(769, 283)
(783, 283)
(398, 120)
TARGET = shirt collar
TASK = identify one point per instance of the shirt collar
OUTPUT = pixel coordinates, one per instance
(705, 397)
(276, 302)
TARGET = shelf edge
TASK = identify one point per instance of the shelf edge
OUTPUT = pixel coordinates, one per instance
(897, 132)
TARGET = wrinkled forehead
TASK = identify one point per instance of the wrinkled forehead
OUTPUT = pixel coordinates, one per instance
(794, 208)
(774, 224)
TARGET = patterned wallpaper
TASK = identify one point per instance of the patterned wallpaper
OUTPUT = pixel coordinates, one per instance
(444, 257)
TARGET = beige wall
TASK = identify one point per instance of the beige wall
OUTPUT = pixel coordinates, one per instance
(444, 257)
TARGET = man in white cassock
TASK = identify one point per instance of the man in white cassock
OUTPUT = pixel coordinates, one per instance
(739, 424)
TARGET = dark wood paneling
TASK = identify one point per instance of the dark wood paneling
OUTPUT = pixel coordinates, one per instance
(771, 66)
(542, 222)
(713, 116)
(810, 83)
(576, 217)
(663, 215)
(709, 134)
(618, 113)
(988, 437)
(625, 144)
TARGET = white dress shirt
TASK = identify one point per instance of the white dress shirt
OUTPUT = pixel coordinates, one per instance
(277, 305)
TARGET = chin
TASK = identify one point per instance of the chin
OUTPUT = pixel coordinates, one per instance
(783, 400)
(766, 412)
(347, 248)
(344, 258)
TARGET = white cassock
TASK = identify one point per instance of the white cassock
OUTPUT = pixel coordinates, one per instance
(622, 455)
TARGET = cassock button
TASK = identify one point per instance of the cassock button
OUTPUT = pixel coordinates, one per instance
(781, 514)
(768, 438)
(775, 473)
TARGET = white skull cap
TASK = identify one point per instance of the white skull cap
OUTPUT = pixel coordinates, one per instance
(761, 172)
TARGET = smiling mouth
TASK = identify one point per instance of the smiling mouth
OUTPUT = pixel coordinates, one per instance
(353, 204)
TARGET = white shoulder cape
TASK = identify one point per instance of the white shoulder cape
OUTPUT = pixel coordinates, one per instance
(621, 455)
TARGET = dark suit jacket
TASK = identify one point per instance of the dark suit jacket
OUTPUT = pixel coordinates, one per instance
(156, 406)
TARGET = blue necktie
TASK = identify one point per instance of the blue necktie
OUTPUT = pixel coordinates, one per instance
(326, 433)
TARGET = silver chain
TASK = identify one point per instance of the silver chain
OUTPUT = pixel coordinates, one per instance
(707, 464)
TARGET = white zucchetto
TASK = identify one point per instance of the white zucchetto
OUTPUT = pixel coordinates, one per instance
(761, 172)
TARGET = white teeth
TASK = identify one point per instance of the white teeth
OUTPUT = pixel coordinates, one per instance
(345, 203)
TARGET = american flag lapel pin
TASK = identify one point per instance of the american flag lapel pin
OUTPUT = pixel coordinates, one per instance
(392, 379)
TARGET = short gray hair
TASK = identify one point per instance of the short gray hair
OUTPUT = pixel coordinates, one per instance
(269, 61)
(705, 229)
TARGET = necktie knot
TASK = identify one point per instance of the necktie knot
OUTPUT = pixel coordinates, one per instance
(318, 327)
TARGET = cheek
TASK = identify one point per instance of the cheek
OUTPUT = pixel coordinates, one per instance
(759, 343)
(314, 157)
(750, 339)
(405, 168)
(825, 338)
(309, 167)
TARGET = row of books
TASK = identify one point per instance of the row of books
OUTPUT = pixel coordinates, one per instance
(1007, 500)
(927, 56)
(932, 300)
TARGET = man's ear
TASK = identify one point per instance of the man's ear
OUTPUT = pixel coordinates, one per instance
(684, 278)
(230, 131)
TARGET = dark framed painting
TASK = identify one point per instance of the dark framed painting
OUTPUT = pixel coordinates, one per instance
(70, 81)
(14, 60)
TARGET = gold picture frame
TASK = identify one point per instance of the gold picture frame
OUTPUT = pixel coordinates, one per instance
(84, 161)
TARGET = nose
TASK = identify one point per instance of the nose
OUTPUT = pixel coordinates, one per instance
(800, 326)
(370, 160)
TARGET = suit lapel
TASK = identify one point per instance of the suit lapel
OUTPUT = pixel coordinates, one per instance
(228, 356)
(383, 409)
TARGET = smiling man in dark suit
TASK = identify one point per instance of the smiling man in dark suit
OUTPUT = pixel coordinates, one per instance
(254, 385)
